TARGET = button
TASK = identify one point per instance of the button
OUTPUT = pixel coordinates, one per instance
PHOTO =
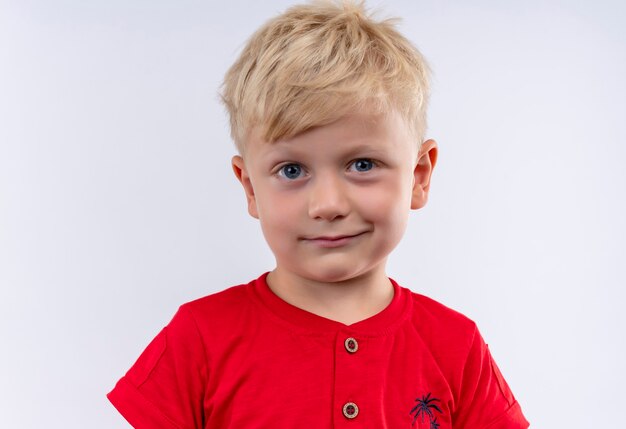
(351, 345)
(350, 410)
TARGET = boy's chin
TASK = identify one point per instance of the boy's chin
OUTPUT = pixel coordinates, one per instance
(334, 274)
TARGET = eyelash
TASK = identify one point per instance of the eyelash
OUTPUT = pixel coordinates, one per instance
(281, 171)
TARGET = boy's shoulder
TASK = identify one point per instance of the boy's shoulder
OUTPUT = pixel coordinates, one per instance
(430, 309)
(231, 302)
(232, 295)
(443, 329)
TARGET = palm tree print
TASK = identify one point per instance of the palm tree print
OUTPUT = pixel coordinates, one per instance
(425, 407)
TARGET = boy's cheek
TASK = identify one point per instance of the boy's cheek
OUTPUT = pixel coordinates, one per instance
(277, 207)
(276, 214)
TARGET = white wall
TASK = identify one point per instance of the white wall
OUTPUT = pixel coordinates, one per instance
(117, 202)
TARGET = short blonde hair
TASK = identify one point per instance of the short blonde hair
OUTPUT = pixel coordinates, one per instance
(317, 62)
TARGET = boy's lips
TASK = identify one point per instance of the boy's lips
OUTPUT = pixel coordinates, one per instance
(332, 240)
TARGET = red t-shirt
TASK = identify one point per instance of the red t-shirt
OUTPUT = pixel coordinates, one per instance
(244, 358)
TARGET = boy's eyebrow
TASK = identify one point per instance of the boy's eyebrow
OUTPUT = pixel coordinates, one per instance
(365, 150)
(285, 148)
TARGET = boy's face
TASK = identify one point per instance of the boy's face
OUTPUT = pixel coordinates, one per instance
(334, 201)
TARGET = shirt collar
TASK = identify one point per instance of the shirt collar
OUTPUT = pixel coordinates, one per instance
(382, 323)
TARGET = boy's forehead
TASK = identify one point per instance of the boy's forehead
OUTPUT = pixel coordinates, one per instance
(359, 121)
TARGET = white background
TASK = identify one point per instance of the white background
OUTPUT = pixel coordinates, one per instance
(117, 202)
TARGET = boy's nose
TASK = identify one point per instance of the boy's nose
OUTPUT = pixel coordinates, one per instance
(327, 198)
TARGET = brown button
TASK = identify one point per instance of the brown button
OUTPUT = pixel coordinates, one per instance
(350, 410)
(351, 345)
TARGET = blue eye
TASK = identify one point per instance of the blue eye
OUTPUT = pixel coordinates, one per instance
(362, 165)
(290, 171)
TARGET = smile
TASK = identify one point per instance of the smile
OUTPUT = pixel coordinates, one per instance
(332, 241)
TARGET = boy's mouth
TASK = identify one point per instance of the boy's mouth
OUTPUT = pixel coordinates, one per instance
(332, 240)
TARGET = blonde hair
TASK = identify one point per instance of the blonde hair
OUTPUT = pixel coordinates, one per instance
(317, 62)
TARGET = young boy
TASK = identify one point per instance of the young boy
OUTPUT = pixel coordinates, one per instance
(328, 112)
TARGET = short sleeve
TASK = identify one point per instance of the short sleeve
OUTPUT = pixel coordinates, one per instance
(485, 399)
(164, 389)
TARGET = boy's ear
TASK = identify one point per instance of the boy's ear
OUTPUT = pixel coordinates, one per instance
(239, 167)
(426, 160)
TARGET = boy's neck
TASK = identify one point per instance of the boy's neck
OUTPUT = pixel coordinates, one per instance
(347, 302)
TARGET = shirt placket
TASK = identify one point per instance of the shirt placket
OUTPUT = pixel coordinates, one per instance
(349, 407)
